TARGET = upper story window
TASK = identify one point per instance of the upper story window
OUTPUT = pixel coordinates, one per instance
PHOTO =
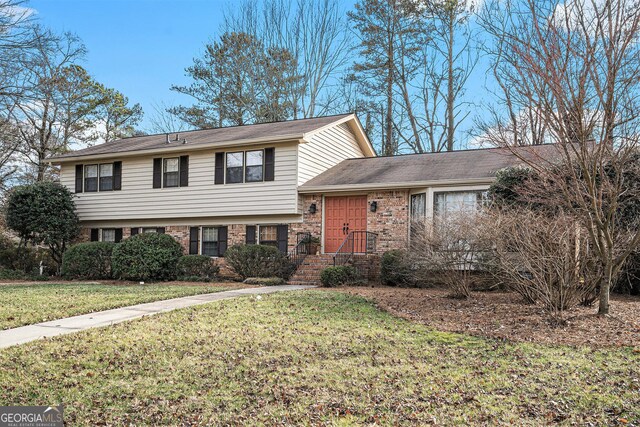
(98, 177)
(237, 167)
(255, 166)
(106, 177)
(171, 172)
(91, 178)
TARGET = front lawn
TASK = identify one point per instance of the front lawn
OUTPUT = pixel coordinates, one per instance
(27, 304)
(313, 358)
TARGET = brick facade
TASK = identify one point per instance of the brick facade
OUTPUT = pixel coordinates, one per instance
(390, 220)
(311, 222)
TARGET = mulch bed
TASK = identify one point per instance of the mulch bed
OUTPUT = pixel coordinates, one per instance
(504, 316)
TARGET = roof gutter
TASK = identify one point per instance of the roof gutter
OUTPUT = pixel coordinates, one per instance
(179, 148)
(392, 185)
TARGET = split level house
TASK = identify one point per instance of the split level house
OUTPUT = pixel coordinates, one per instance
(270, 184)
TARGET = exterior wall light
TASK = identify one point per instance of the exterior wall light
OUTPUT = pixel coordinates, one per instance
(373, 206)
(313, 208)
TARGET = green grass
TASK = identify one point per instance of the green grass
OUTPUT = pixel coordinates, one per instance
(27, 304)
(313, 358)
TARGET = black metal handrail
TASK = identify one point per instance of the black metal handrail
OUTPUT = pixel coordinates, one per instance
(356, 242)
(301, 249)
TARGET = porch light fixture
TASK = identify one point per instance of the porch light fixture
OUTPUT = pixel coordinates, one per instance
(313, 208)
(373, 206)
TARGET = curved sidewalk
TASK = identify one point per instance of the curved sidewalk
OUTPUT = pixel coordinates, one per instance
(24, 334)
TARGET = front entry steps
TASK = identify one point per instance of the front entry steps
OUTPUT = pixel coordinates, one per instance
(308, 273)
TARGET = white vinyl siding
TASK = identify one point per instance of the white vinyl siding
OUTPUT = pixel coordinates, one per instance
(202, 198)
(326, 149)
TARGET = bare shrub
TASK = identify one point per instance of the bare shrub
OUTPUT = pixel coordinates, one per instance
(544, 258)
(448, 251)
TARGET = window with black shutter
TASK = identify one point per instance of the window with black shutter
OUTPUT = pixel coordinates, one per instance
(108, 235)
(95, 234)
(194, 241)
(269, 164)
(98, 177)
(118, 235)
(90, 178)
(184, 171)
(251, 235)
(283, 238)
(171, 172)
(106, 177)
(214, 241)
(117, 176)
(269, 235)
(135, 230)
(235, 167)
(255, 166)
(79, 178)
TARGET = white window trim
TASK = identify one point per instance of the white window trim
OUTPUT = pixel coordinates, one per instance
(164, 171)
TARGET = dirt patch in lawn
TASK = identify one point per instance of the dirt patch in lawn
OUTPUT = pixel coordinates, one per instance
(504, 316)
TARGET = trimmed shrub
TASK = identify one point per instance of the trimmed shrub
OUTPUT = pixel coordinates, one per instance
(147, 256)
(88, 261)
(20, 258)
(7, 274)
(197, 268)
(258, 261)
(395, 269)
(265, 281)
(341, 275)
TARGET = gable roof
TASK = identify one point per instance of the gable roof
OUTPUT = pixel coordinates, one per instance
(415, 170)
(211, 138)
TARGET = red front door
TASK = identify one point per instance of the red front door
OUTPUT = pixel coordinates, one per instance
(343, 215)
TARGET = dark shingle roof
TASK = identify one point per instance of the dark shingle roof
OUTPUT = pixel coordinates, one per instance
(196, 138)
(419, 168)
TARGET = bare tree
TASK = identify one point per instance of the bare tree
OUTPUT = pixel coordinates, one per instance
(575, 67)
(434, 100)
(316, 36)
(162, 121)
(450, 250)
(548, 261)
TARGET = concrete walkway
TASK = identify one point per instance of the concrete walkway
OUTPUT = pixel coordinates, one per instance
(69, 325)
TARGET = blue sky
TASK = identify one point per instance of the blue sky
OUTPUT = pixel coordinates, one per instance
(139, 47)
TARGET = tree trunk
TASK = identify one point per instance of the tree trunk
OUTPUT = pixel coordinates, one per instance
(605, 287)
(451, 97)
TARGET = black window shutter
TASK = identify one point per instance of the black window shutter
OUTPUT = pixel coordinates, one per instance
(219, 174)
(118, 235)
(134, 231)
(157, 173)
(194, 233)
(160, 230)
(269, 164)
(184, 171)
(117, 175)
(283, 238)
(222, 240)
(79, 170)
(95, 234)
(251, 235)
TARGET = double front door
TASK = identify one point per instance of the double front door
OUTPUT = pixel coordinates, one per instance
(343, 215)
